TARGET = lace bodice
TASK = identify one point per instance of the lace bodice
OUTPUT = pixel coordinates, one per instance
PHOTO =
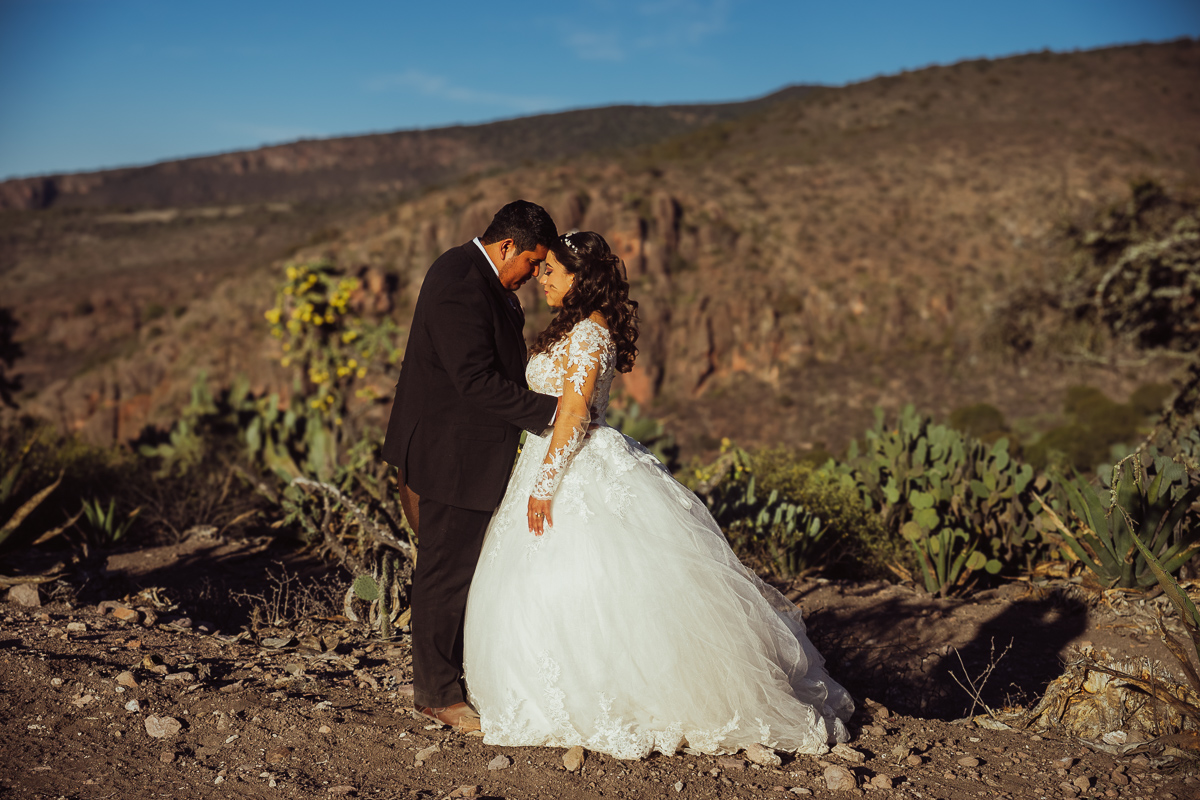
(578, 368)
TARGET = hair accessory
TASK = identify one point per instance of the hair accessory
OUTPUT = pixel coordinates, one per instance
(567, 241)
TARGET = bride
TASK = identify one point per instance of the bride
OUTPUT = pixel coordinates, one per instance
(607, 609)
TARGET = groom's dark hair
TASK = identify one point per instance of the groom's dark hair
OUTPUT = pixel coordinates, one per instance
(527, 224)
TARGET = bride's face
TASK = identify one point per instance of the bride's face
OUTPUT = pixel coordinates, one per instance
(555, 281)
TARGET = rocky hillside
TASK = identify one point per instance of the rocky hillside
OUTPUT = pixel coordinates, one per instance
(400, 163)
(796, 265)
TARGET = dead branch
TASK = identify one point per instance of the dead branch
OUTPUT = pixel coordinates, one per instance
(975, 689)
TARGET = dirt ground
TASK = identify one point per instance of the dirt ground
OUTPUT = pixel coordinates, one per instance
(203, 697)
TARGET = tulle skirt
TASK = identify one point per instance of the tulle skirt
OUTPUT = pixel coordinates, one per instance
(630, 626)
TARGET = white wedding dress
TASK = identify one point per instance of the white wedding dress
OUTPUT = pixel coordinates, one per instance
(630, 626)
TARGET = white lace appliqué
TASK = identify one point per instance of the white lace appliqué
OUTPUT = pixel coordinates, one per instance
(580, 365)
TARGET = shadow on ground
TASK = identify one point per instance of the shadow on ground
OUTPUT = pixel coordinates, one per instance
(906, 650)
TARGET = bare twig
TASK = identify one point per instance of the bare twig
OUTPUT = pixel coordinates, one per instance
(369, 526)
(973, 688)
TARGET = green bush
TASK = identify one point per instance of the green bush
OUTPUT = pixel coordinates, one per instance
(1086, 442)
(864, 549)
(1150, 398)
(787, 515)
(981, 420)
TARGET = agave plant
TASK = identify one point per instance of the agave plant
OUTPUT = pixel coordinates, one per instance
(8, 487)
(104, 524)
(1142, 514)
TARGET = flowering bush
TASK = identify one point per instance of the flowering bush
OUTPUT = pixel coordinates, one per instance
(325, 338)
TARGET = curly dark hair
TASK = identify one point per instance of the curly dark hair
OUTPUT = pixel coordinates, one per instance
(599, 285)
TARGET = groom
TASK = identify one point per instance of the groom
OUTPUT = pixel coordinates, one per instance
(461, 402)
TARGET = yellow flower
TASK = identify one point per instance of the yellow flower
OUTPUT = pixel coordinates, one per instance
(329, 319)
(352, 363)
(272, 316)
(315, 404)
(291, 273)
(342, 372)
(337, 420)
(285, 361)
(362, 372)
(349, 336)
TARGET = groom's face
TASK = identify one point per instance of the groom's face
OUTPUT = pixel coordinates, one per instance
(516, 268)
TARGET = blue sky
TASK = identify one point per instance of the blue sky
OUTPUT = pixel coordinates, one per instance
(88, 84)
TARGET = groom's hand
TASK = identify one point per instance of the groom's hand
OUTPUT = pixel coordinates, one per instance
(539, 515)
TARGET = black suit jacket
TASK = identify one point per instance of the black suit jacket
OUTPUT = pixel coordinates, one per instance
(461, 400)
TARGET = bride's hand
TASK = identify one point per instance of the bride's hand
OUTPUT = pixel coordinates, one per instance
(539, 514)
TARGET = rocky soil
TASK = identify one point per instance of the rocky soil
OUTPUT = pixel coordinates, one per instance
(183, 692)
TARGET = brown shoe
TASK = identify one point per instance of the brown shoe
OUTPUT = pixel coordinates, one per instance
(460, 716)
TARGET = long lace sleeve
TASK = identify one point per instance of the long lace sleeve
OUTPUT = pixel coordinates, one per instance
(586, 358)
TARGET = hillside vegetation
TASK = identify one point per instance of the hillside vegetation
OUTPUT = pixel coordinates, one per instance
(799, 262)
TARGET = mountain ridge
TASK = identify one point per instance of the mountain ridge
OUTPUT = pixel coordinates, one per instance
(399, 162)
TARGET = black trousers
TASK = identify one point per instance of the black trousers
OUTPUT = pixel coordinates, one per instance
(450, 539)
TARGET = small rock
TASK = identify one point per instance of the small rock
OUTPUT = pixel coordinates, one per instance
(1083, 783)
(877, 709)
(678, 786)
(1063, 763)
(133, 705)
(342, 791)
(572, 760)
(848, 753)
(166, 756)
(968, 761)
(278, 754)
(1140, 761)
(729, 762)
(56, 681)
(839, 779)
(25, 594)
(763, 756)
(293, 669)
(800, 790)
(324, 729)
(466, 792)
(181, 677)
(1069, 789)
(914, 760)
(875, 730)
(162, 727)
(1119, 778)
(423, 755)
(125, 614)
(126, 679)
(83, 701)
(1111, 792)
(500, 762)
(881, 782)
(76, 627)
